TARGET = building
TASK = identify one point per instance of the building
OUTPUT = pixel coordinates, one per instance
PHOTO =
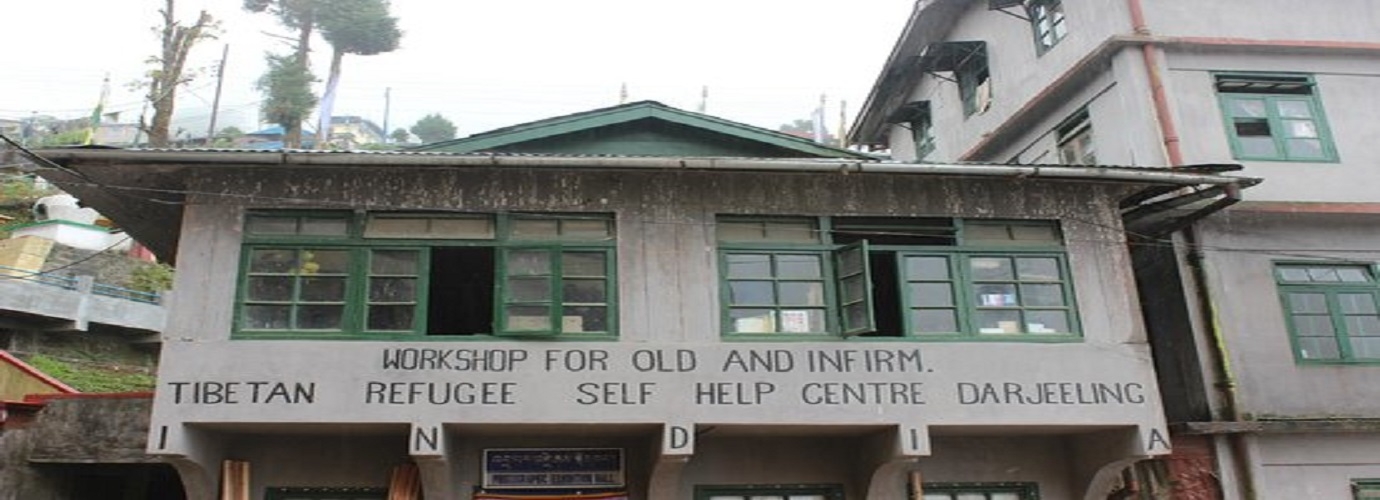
(350, 132)
(752, 315)
(1261, 315)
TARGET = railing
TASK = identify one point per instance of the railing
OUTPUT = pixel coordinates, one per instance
(75, 283)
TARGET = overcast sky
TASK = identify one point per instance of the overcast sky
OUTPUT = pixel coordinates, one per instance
(483, 65)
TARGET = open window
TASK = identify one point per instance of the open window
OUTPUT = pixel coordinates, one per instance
(1274, 117)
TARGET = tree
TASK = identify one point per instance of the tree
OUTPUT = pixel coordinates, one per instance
(361, 27)
(805, 127)
(169, 73)
(434, 128)
(227, 137)
(400, 135)
(287, 96)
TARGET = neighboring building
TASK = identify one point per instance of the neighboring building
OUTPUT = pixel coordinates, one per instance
(1264, 316)
(753, 316)
(351, 132)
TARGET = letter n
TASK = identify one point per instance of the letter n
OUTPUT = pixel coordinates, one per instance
(426, 440)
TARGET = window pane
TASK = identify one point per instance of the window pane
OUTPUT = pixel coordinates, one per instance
(854, 289)
(1037, 269)
(1323, 274)
(931, 294)
(1257, 146)
(536, 229)
(797, 231)
(583, 291)
(1353, 274)
(1004, 495)
(1318, 348)
(392, 290)
(1307, 303)
(396, 318)
(529, 263)
(585, 319)
(996, 295)
(1363, 326)
(971, 496)
(325, 261)
(324, 227)
(748, 265)
(262, 289)
(396, 227)
(999, 321)
(528, 317)
(585, 229)
(323, 289)
(1047, 322)
(1365, 348)
(802, 293)
(319, 317)
(991, 268)
(1042, 295)
(1293, 274)
(799, 266)
(1314, 326)
(1303, 129)
(810, 320)
(1356, 303)
(752, 292)
(753, 320)
(582, 264)
(271, 225)
(479, 228)
(1252, 128)
(272, 260)
(934, 321)
(729, 230)
(1294, 109)
(927, 268)
(395, 262)
(1304, 149)
(266, 317)
(529, 289)
(1251, 108)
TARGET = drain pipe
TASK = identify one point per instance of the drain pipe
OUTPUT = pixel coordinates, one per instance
(1168, 132)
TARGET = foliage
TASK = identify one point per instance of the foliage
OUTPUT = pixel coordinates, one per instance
(64, 138)
(169, 68)
(93, 377)
(361, 27)
(287, 92)
(400, 135)
(153, 277)
(227, 137)
(434, 128)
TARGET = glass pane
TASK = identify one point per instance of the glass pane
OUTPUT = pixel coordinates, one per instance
(971, 496)
(1252, 129)
(1318, 348)
(1293, 274)
(1257, 146)
(850, 262)
(934, 321)
(999, 321)
(1363, 326)
(1004, 495)
(258, 224)
(1037, 232)
(1353, 274)
(854, 289)
(323, 290)
(739, 230)
(272, 260)
(585, 319)
(324, 227)
(583, 291)
(528, 317)
(1253, 108)
(796, 231)
(529, 263)
(1305, 148)
(582, 264)
(931, 294)
(805, 497)
(1307, 303)
(808, 320)
(266, 317)
(1002, 295)
(1314, 326)
(396, 227)
(751, 292)
(585, 229)
(1047, 322)
(392, 290)
(1042, 295)
(1365, 348)
(798, 266)
(278, 288)
(319, 317)
(1303, 129)
(545, 229)
(529, 290)
(1323, 274)
(1356, 303)
(991, 268)
(927, 268)
(748, 265)
(1294, 109)
(325, 261)
(395, 262)
(477, 228)
(1037, 269)
(938, 496)
(802, 293)
(753, 320)
(397, 318)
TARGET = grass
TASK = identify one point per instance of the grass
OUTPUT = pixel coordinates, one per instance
(92, 377)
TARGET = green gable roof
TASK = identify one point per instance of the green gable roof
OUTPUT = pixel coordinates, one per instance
(644, 128)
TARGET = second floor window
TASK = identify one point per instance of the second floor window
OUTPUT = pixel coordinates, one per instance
(934, 278)
(1274, 117)
(389, 274)
(1333, 311)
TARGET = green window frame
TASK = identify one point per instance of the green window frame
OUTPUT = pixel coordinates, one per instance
(385, 274)
(770, 492)
(974, 83)
(1047, 23)
(940, 279)
(980, 491)
(1274, 117)
(1332, 311)
(1074, 138)
(325, 493)
(1365, 489)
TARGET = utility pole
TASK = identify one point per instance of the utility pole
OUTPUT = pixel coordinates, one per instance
(215, 103)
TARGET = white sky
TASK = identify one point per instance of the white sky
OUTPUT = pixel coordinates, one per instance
(481, 64)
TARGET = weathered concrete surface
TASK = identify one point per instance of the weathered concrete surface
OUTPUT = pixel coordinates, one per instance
(104, 429)
(60, 308)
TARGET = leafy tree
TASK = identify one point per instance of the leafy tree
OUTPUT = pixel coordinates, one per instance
(434, 128)
(361, 27)
(169, 71)
(227, 136)
(287, 96)
(400, 135)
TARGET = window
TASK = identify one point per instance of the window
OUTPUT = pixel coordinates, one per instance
(1047, 19)
(1273, 117)
(933, 278)
(769, 492)
(1075, 141)
(922, 132)
(980, 491)
(1333, 311)
(1365, 489)
(351, 274)
(327, 494)
(974, 83)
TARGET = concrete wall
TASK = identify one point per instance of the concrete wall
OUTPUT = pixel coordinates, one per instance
(1313, 465)
(1339, 20)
